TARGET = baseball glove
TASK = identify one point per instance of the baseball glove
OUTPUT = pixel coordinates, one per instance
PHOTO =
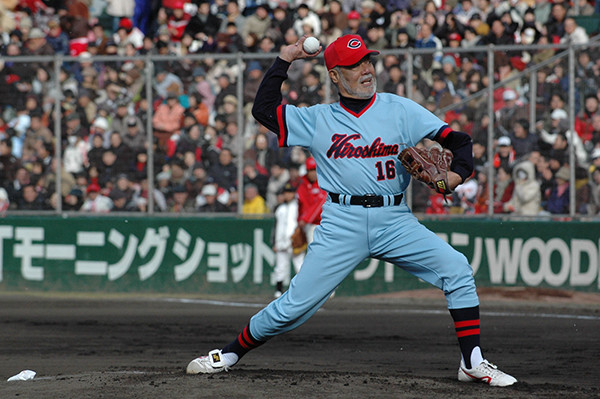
(430, 166)
(299, 243)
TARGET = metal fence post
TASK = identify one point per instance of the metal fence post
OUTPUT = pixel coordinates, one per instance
(150, 134)
(409, 88)
(532, 101)
(58, 61)
(490, 141)
(240, 138)
(571, 137)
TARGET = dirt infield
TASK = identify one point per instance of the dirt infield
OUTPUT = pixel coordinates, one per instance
(389, 346)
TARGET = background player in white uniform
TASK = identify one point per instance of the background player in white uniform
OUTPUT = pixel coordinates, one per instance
(286, 221)
(356, 143)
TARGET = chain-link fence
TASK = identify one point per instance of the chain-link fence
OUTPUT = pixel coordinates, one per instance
(170, 134)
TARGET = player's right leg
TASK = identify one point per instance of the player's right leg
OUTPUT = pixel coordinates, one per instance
(338, 247)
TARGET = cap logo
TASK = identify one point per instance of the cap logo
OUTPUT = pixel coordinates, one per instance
(354, 44)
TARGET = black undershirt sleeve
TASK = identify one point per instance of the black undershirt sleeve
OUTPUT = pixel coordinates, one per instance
(461, 146)
(268, 96)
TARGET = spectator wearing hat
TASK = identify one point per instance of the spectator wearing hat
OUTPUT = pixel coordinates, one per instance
(354, 25)
(558, 201)
(119, 9)
(100, 126)
(229, 108)
(286, 222)
(450, 71)
(207, 201)
(310, 199)
(305, 16)
(37, 45)
(560, 125)
(134, 137)
(505, 154)
(96, 202)
(509, 113)
(254, 75)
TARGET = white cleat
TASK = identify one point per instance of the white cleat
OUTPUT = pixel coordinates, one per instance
(486, 372)
(213, 363)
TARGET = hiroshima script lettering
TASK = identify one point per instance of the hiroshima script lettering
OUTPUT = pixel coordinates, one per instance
(343, 148)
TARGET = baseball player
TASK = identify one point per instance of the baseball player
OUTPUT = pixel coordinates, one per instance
(356, 142)
(286, 221)
(310, 200)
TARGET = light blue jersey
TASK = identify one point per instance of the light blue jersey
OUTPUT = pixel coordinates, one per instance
(358, 153)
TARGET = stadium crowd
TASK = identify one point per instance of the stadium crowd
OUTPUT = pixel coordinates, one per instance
(197, 140)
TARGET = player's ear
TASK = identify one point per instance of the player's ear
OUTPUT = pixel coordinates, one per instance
(333, 75)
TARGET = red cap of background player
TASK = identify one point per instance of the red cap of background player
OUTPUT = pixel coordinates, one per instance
(311, 164)
(345, 51)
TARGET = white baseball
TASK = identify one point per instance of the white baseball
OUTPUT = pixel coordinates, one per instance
(311, 45)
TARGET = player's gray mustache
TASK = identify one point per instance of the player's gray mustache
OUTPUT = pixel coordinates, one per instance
(366, 78)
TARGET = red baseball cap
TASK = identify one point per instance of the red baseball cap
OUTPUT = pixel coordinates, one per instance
(311, 164)
(345, 51)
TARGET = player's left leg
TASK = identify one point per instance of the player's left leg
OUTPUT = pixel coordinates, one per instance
(422, 253)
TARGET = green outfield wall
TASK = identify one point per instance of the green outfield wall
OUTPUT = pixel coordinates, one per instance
(234, 255)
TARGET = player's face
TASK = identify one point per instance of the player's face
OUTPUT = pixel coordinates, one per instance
(357, 81)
